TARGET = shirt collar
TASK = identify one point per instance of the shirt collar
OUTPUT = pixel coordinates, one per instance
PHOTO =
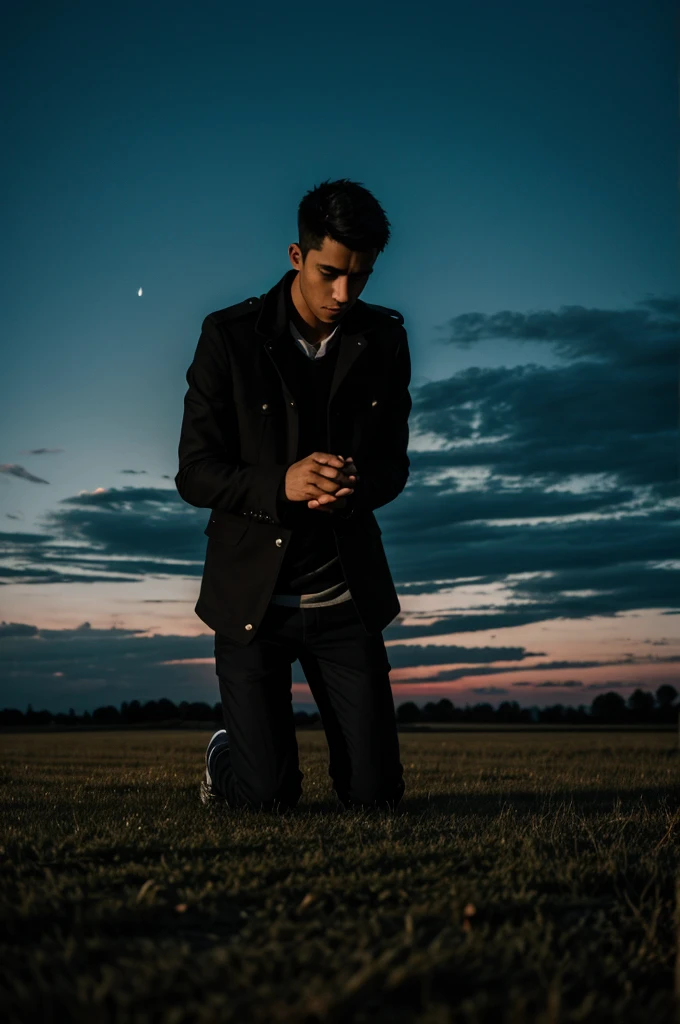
(313, 351)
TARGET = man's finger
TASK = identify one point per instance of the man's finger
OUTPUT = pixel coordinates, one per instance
(328, 460)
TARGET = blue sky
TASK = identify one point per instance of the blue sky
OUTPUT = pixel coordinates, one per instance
(527, 160)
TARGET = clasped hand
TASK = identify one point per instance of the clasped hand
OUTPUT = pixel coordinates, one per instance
(329, 502)
(322, 480)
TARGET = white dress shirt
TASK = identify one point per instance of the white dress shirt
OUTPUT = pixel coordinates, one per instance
(313, 351)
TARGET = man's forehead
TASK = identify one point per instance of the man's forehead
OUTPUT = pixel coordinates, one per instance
(334, 254)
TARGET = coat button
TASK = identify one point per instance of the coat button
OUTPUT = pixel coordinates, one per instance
(249, 625)
(265, 405)
(292, 403)
(278, 542)
(374, 402)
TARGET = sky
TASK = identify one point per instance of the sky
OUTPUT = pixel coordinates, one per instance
(527, 159)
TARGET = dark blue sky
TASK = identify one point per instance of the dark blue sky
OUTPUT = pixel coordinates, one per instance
(526, 157)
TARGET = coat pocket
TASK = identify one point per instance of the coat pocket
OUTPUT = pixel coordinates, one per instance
(226, 531)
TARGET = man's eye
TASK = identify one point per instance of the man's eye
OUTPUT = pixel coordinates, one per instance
(324, 273)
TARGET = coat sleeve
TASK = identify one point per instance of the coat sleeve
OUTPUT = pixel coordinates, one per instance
(211, 475)
(384, 472)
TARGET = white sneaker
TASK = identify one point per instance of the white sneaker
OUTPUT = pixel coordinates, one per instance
(208, 793)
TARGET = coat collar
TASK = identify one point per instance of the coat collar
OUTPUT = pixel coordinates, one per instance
(355, 327)
(272, 321)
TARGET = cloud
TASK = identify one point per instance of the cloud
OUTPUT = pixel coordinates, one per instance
(50, 667)
(578, 331)
(611, 408)
(11, 469)
(556, 684)
(641, 684)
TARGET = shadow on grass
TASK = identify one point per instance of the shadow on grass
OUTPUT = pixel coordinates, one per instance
(585, 802)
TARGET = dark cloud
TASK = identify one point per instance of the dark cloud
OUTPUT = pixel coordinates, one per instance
(409, 656)
(578, 331)
(567, 684)
(86, 667)
(611, 408)
(11, 469)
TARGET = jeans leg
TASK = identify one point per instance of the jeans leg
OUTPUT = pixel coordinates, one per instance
(261, 766)
(347, 670)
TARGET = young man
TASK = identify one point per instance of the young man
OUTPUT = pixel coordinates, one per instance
(295, 429)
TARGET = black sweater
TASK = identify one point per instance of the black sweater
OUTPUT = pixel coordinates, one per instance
(310, 565)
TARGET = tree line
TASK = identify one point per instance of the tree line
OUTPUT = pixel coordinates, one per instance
(610, 708)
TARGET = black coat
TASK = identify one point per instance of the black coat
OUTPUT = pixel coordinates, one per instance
(239, 436)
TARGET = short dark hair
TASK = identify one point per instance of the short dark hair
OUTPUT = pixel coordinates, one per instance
(347, 212)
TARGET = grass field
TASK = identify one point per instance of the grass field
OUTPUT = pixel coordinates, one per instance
(525, 877)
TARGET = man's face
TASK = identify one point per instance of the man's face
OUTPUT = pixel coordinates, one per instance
(331, 279)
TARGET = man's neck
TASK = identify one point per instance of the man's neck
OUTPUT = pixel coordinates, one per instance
(309, 332)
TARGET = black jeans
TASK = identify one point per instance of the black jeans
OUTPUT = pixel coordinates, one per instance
(347, 671)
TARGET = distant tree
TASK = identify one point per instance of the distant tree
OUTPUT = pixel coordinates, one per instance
(609, 708)
(665, 695)
(306, 717)
(167, 710)
(553, 714)
(162, 710)
(11, 716)
(443, 710)
(198, 711)
(641, 705)
(32, 717)
(666, 709)
(482, 712)
(107, 715)
(509, 711)
(408, 712)
(576, 716)
(131, 712)
(148, 711)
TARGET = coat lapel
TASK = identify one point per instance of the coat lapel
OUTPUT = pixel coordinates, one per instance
(272, 325)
